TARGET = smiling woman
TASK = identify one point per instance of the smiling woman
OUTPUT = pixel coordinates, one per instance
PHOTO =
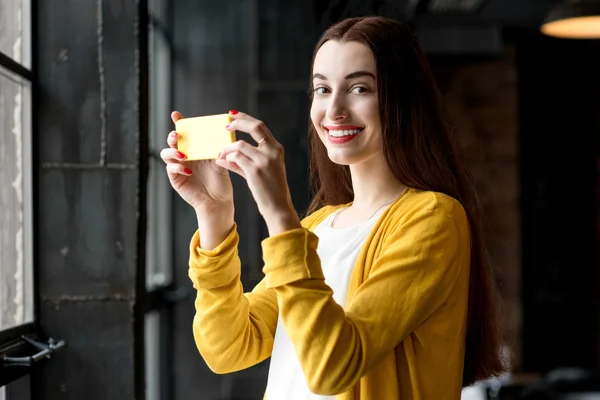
(351, 306)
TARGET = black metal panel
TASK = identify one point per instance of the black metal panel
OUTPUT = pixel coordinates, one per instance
(97, 363)
(121, 80)
(91, 79)
(91, 120)
(88, 232)
(70, 114)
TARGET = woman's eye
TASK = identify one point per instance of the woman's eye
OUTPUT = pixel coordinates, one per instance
(321, 90)
(359, 90)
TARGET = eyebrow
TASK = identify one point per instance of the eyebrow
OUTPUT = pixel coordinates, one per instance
(357, 74)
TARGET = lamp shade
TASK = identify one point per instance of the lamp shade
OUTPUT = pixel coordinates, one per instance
(573, 19)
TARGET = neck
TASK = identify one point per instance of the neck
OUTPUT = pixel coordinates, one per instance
(373, 183)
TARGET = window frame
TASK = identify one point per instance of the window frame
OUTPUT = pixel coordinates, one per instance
(12, 343)
(160, 290)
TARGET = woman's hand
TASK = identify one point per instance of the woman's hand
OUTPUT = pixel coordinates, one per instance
(203, 184)
(263, 168)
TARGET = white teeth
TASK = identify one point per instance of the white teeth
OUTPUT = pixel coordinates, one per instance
(340, 133)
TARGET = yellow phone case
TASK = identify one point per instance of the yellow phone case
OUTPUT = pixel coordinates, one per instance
(203, 138)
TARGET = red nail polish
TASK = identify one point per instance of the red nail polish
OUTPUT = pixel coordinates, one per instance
(180, 155)
(227, 127)
(187, 171)
(233, 112)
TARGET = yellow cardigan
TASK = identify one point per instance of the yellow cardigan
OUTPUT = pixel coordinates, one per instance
(402, 332)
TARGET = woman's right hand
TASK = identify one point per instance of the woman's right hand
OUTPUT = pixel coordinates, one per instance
(203, 184)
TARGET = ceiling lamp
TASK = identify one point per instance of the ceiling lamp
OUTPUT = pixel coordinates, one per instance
(573, 19)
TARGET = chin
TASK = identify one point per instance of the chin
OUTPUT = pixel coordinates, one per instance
(343, 159)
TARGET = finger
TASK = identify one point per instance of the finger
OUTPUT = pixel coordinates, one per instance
(173, 139)
(176, 171)
(176, 116)
(171, 155)
(245, 148)
(243, 163)
(233, 167)
(254, 127)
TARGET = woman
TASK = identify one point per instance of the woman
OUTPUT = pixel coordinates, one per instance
(383, 291)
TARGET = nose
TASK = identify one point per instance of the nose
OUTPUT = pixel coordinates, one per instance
(337, 109)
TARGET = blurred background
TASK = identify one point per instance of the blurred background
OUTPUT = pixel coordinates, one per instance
(95, 301)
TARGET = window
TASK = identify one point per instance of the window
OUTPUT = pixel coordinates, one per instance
(16, 266)
(16, 297)
(16, 305)
(15, 32)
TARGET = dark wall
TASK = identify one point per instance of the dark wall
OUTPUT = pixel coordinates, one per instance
(90, 117)
(480, 94)
(559, 88)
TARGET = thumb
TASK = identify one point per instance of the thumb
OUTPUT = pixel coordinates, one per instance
(176, 116)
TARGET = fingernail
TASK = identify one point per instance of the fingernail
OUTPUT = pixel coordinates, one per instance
(173, 133)
(180, 155)
(232, 112)
(187, 171)
(227, 127)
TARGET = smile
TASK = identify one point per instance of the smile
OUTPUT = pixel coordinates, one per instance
(342, 135)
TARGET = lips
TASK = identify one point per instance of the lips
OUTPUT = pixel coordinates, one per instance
(342, 134)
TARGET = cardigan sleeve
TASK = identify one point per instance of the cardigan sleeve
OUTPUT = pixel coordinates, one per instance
(232, 330)
(419, 263)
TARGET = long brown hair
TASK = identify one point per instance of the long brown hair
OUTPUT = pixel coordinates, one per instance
(422, 151)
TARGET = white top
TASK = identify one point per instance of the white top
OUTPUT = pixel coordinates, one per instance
(338, 250)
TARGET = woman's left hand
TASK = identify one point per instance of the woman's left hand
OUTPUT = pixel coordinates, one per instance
(263, 168)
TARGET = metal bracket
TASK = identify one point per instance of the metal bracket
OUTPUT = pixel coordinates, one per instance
(45, 351)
